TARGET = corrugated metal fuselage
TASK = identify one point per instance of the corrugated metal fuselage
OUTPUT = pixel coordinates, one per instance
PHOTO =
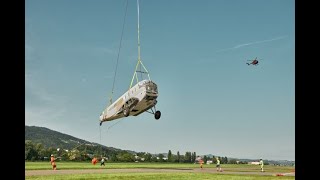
(137, 100)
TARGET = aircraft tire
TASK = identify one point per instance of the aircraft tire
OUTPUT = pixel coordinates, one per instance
(157, 115)
(126, 111)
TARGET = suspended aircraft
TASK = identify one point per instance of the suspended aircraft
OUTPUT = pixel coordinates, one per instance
(253, 62)
(139, 98)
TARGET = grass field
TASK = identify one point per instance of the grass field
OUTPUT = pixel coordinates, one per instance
(158, 176)
(29, 166)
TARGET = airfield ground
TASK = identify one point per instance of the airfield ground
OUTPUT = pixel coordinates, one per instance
(143, 170)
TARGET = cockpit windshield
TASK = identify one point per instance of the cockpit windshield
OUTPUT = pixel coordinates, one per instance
(151, 87)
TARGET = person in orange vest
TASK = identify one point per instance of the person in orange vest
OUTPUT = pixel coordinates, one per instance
(201, 163)
(94, 161)
(53, 163)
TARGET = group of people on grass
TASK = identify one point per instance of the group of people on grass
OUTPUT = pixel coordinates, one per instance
(218, 164)
(219, 167)
(95, 161)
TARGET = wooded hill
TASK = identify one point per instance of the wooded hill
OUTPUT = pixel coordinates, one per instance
(50, 138)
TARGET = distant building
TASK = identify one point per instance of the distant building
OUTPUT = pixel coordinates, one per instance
(164, 158)
(198, 159)
(209, 161)
(254, 163)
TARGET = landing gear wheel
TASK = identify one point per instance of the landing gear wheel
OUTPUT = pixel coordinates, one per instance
(157, 115)
(126, 111)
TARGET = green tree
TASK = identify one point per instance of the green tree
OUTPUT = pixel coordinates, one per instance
(147, 157)
(187, 157)
(225, 160)
(160, 157)
(114, 157)
(178, 156)
(74, 155)
(30, 151)
(169, 156)
(41, 151)
(214, 160)
(182, 159)
(125, 156)
(154, 158)
(141, 154)
(193, 157)
(232, 161)
(63, 154)
(205, 159)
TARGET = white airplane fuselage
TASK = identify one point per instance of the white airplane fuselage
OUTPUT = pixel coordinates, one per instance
(135, 101)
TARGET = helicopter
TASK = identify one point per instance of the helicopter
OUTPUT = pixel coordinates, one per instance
(253, 62)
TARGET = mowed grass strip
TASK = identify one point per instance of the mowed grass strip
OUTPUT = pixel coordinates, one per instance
(159, 176)
(88, 165)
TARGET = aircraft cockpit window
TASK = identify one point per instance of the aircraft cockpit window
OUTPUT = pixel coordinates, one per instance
(152, 87)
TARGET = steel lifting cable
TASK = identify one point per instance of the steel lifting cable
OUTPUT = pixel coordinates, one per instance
(115, 72)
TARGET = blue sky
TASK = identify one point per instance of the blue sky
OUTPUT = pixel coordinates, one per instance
(196, 52)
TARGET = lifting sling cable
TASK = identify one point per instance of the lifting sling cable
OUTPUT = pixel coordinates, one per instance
(139, 59)
(115, 73)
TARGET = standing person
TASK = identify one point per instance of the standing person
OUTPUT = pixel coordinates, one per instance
(201, 163)
(218, 165)
(94, 161)
(261, 165)
(53, 163)
(102, 162)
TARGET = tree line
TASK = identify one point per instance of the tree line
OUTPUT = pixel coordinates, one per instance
(38, 152)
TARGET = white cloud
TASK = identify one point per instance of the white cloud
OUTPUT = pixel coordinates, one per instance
(251, 43)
